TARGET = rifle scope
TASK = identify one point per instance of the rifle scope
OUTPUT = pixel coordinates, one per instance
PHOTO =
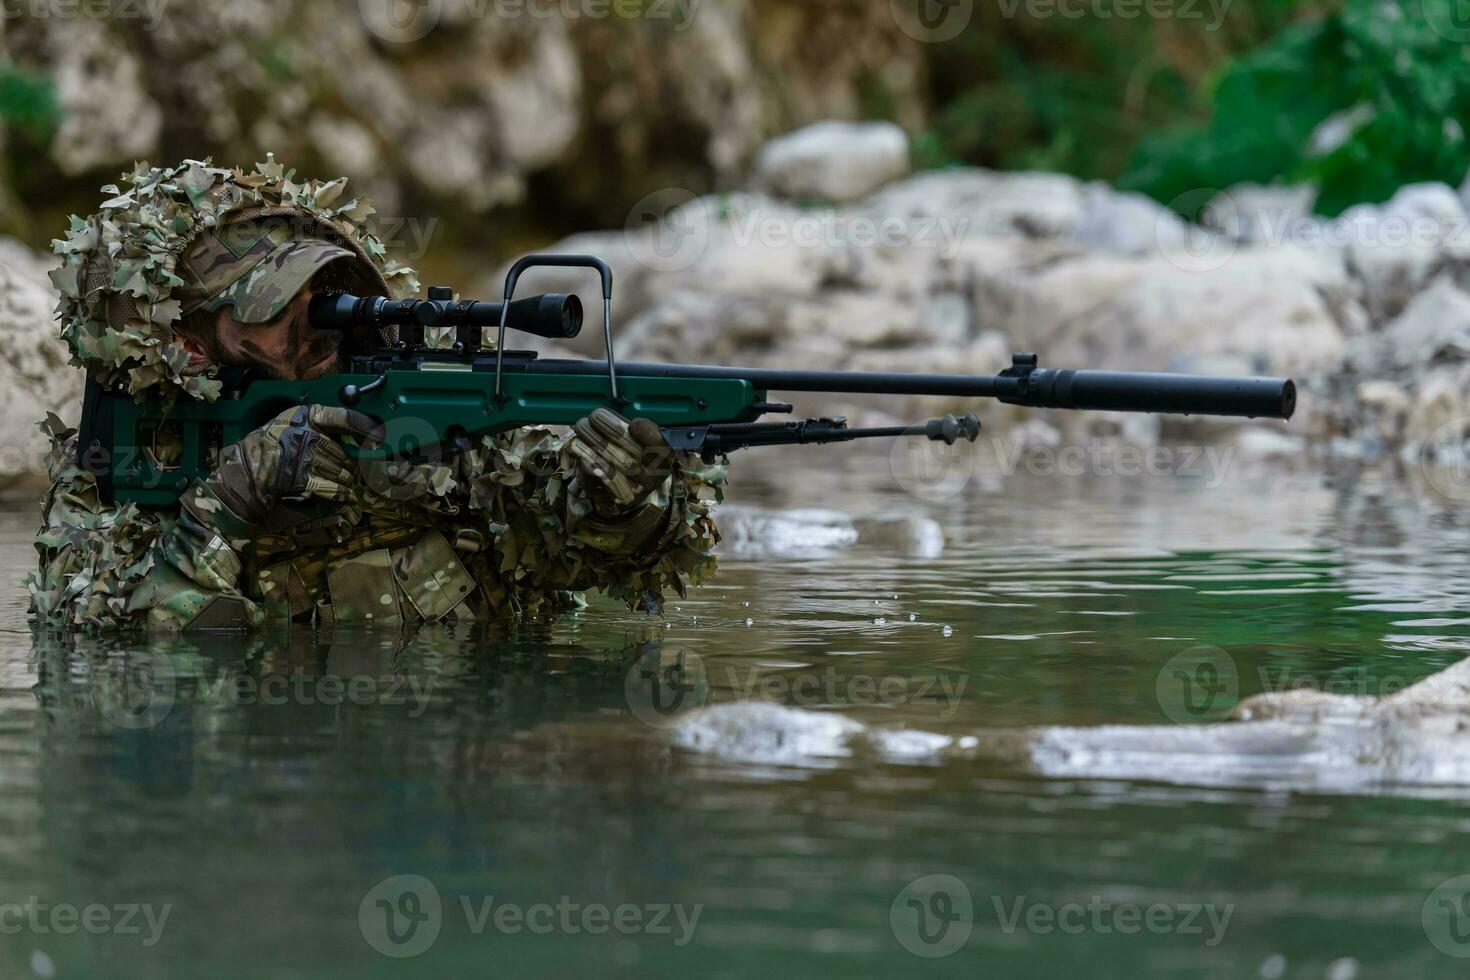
(556, 316)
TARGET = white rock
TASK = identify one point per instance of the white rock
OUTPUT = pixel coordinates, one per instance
(1395, 248)
(1339, 127)
(107, 115)
(1383, 395)
(836, 161)
(804, 532)
(34, 374)
(1113, 221)
(1269, 306)
(913, 535)
(1435, 325)
(759, 733)
(1259, 442)
(986, 202)
(1440, 412)
(537, 98)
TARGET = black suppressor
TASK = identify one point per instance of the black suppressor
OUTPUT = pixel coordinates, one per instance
(1185, 394)
(556, 316)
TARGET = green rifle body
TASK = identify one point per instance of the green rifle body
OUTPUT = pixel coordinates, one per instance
(436, 403)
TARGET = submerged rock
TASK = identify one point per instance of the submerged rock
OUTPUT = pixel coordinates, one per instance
(1418, 738)
(753, 533)
(761, 733)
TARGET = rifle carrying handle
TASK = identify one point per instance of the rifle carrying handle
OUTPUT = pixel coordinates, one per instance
(562, 261)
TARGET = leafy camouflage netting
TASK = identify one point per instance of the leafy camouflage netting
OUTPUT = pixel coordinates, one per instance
(107, 569)
(120, 267)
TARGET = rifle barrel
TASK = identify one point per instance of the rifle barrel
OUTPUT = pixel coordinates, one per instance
(1116, 391)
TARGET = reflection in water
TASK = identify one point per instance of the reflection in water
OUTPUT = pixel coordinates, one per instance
(263, 787)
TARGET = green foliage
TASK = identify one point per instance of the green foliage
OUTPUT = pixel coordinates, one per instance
(1378, 72)
(28, 102)
(1022, 89)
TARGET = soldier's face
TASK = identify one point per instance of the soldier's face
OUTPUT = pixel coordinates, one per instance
(287, 348)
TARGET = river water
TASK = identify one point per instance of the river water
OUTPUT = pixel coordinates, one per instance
(606, 794)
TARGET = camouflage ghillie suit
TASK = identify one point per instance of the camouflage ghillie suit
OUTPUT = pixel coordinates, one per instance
(517, 525)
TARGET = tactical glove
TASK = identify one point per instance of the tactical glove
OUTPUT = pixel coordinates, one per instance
(621, 462)
(290, 470)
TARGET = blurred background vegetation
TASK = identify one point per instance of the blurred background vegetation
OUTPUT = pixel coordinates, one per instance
(1357, 97)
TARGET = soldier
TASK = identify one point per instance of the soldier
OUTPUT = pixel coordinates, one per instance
(188, 270)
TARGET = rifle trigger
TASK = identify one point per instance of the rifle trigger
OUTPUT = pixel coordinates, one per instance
(686, 438)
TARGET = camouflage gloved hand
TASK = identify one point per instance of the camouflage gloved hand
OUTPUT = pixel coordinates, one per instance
(620, 461)
(281, 474)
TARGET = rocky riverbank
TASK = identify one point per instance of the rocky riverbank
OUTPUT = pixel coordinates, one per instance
(838, 256)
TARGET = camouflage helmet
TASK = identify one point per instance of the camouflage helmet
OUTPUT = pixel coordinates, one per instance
(196, 236)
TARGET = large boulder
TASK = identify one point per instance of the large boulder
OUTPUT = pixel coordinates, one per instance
(1398, 247)
(834, 161)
